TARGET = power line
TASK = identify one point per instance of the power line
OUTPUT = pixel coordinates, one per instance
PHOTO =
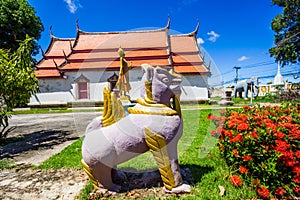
(287, 74)
(263, 72)
(258, 64)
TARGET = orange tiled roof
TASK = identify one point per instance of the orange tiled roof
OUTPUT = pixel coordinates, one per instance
(47, 73)
(186, 55)
(99, 51)
(54, 55)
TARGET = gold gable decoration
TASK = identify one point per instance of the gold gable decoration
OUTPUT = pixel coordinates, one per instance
(113, 109)
(158, 148)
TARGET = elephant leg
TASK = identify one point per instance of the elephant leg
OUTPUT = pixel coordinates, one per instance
(180, 186)
(100, 169)
(103, 174)
(158, 147)
(173, 157)
(166, 159)
(246, 92)
(240, 94)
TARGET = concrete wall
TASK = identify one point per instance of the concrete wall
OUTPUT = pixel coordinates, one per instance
(63, 91)
(195, 80)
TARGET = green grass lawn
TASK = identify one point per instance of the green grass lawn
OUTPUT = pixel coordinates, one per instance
(197, 151)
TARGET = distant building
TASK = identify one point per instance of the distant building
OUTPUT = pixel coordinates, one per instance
(76, 69)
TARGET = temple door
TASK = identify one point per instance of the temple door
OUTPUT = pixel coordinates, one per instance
(82, 90)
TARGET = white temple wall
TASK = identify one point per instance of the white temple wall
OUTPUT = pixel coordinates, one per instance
(63, 91)
(195, 80)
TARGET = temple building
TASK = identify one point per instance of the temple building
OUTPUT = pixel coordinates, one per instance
(75, 70)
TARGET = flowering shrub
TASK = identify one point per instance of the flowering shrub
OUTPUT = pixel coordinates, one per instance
(262, 144)
(235, 180)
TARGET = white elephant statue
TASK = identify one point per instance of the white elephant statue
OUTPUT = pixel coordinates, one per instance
(245, 86)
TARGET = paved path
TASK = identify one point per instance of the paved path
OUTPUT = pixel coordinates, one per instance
(44, 135)
(28, 184)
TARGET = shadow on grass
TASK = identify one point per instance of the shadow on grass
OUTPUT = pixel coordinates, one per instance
(136, 179)
(45, 139)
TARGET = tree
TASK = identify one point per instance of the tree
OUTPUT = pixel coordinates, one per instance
(287, 32)
(17, 80)
(17, 18)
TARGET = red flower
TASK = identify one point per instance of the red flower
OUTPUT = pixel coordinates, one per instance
(235, 152)
(266, 113)
(228, 134)
(237, 138)
(235, 180)
(243, 127)
(297, 154)
(222, 112)
(243, 118)
(296, 189)
(247, 158)
(243, 170)
(287, 155)
(285, 118)
(280, 191)
(271, 126)
(289, 163)
(286, 125)
(212, 117)
(295, 133)
(232, 122)
(296, 169)
(253, 134)
(256, 182)
(279, 134)
(247, 108)
(263, 192)
(287, 158)
(296, 179)
(209, 116)
(281, 146)
(214, 133)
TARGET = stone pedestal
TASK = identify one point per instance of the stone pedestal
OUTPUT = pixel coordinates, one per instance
(226, 100)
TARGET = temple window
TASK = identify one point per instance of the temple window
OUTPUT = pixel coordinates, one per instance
(82, 85)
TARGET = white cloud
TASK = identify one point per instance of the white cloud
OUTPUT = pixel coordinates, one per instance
(73, 5)
(213, 36)
(200, 41)
(242, 58)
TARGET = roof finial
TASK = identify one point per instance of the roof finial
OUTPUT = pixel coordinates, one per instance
(169, 22)
(65, 56)
(43, 53)
(51, 33)
(77, 26)
(56, 66)
(71, 46)
(196, 29)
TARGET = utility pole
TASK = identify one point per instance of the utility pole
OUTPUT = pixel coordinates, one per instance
(236, 74)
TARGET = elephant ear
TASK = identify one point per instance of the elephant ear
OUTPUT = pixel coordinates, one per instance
(148, 71)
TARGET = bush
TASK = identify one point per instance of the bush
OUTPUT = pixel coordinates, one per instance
(288, 95)
(262, 145)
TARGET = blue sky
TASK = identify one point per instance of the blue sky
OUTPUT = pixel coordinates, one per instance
(232, 32)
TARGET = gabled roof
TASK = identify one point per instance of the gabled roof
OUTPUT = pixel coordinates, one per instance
(186, 55)
(54, 56)
(99, 50)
